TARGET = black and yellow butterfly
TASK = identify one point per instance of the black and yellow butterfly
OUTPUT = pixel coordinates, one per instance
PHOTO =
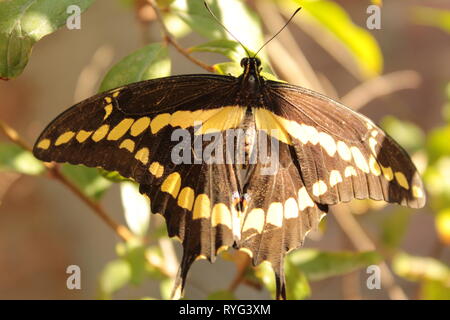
(325, 154)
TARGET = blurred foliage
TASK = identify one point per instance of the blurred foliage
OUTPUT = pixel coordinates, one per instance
(143, 258)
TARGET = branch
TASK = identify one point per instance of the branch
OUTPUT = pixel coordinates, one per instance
(171, 40)
(381, 86)
(362, 242)
(54, 172)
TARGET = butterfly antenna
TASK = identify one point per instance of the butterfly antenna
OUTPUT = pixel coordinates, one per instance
(225, 28)
(285, 25)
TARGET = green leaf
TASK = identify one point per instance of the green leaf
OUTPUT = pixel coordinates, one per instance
(332, 18)
(114, 276)
(149, 62)
(434, 290)
(438, 18)
(14, 158)
(222, 295)
(89, 180)
(229, 48)
(242, 22)
(136, 208)
(394, 227)
(113, 176)
(23, 23)
(133, 253)
(442, 222)
(416, 268)
(297, 283)
(437, 143)
(407, 134)
(437, 178)
(319, 265)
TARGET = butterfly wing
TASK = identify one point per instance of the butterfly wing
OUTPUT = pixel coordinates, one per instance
(131, 130)
(341, 154)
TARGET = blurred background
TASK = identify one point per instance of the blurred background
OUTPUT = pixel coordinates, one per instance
(398, 75)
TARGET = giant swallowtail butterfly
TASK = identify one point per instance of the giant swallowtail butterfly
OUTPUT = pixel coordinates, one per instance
(320, 153)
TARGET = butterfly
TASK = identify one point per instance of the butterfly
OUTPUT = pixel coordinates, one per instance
(320, 153)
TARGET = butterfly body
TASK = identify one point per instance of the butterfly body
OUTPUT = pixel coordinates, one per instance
(238, 162)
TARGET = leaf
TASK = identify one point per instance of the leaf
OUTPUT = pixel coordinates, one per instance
(149, 62)
(14, 158)
(113, 176)
(442, 222)
(297, 283)
(437, 143)
(297, 287)
(23, 23)
(318, 265)
(416, 268)
(114, 276)
(228, 48)
(133, 253)
(222, 295)
(407, 134)
(434, 290)
(332, 19)
(438, 18)
(89, 180)
(234, 14)
(437, 178)
(394, 227)
(136, 208)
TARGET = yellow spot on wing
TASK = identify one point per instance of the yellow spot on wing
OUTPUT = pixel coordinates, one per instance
(275, 214)
(417, 192)
(120, 129)
(64, 138)
(319, 188)
(108, 110)
(344, 151)
(373, 145)
(272, 125)
(142, 155)
(172, 184)
(387, 173)
(374, 166)
(304, 200)
(328, 143)
(290, 208)
(221, 215)
(127, 144)
(401, 179)
(335, 177)
(247, 251)
(202, 207)
(254, 220)
(82, 135)
(186, 198)
(139, 126)
(223, 119)
(359, 159)
(350, 171)
(116, 93)
(222, 249)
(156, 169)
(100, 133)
(159, 122)
(44, 144)
(108, 99)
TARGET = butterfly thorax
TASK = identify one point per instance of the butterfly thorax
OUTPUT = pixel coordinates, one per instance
(251, 82)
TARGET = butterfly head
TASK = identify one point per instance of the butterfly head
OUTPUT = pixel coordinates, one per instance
(251, 78)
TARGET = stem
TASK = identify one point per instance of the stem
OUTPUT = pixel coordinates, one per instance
(171, 40)
(54, 172)
(362, 242)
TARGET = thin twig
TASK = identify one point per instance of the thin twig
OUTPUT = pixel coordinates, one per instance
(362, 242)
(171, 40)
(53, 169)
(381, 86)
